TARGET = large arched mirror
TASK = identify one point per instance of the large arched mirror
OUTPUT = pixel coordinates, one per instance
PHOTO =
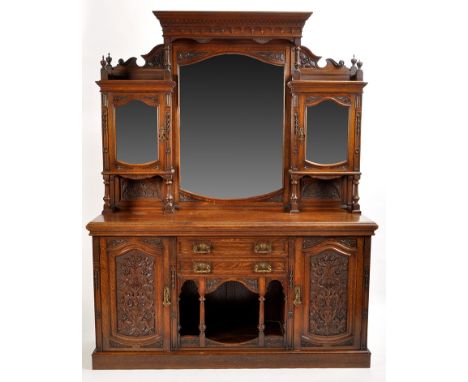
(231, 127)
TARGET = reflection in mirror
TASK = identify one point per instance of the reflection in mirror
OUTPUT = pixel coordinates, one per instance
(327, 133)
(231, 127)
(136, 132)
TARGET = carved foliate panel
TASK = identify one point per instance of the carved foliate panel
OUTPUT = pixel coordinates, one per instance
(321, 189)
(135, 288)
(141, 189)
(328, 293)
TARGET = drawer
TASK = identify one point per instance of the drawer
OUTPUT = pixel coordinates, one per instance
(239, 247)
(232, 267)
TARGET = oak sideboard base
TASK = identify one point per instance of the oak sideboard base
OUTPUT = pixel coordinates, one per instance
(230, 359)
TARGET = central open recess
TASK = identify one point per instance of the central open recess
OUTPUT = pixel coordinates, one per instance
(232, 313)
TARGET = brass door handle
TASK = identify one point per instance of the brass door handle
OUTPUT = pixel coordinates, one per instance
(201, 247)
(201, 268)
(263, 268)
(262, 247)
(297, 296)
(166, 297)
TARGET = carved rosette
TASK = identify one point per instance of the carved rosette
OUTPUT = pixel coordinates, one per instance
(328, 293)
(135, 294)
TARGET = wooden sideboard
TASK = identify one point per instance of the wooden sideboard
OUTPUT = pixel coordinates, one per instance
(183, 280)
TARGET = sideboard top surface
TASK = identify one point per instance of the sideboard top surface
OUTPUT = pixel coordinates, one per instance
(234, 221)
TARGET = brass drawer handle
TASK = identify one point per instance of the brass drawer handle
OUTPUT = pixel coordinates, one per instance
(262, 268)
(166, 297)
(201, 247)
(297, 296)
(262, 247)
(201, 268)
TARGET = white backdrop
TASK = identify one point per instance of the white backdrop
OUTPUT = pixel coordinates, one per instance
(127, 29)
(413, 161)
(412, 109)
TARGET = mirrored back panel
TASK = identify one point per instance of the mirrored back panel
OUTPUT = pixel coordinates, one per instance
(136, 125)
(231, 127)
(327, 133)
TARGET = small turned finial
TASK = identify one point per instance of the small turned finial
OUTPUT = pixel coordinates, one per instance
(359, 64)
(121, 61)
(108, 59)
(103, 61)
(353, 60)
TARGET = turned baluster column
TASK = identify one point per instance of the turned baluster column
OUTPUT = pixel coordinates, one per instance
(202, 326)
(261, 315)
(356, 208)
(294, 200)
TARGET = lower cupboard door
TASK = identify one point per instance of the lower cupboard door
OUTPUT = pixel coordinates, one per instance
(136, 296)
(327, 296)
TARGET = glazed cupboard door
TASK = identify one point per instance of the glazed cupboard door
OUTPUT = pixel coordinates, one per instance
(326, 299)
(135, 293)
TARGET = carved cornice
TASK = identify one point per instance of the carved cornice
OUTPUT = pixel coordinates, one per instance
(262, 26)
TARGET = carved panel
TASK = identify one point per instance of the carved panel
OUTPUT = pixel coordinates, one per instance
(155, 58)
(321, 189)
(153, 241)
(141, 189)
(328, 293)
(212, 284)
(135, 294)
(184, 56)
(185, 197)
(166, 128)
(313, 241)
(343, 100)
(273, 56)
(252, 284)
(351, 243)
(113, 243)
(298, 130)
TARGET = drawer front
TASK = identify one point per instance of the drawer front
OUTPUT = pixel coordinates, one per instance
(247, 247)
(232, 267)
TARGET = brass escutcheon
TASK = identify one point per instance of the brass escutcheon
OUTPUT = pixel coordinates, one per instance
(262, 247)
(263, 268)
(201, 247)
(166, 297)
(201, 268)
(297, 296)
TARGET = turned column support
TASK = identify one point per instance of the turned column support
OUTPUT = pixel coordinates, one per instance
(261, 314)
(355, 207)
(202, 326)
(294, 198)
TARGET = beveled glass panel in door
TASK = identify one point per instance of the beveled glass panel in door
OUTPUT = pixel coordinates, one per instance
(136, 129)
(327, 133)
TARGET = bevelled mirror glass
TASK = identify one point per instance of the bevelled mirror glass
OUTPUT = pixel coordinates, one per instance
(231, 127)
(327, 133)
(136, 125)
